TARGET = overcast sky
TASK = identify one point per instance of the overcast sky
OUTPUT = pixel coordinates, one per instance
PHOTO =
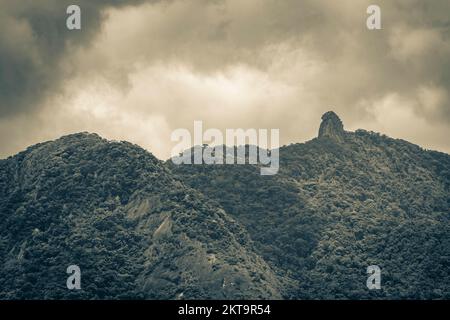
(137, 70)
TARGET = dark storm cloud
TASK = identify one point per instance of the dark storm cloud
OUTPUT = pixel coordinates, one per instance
(412, 50)
(33, 42)
(138, 72)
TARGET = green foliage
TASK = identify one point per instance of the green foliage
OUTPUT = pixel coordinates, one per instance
(100, 205)
(336, 208)
(141, 228)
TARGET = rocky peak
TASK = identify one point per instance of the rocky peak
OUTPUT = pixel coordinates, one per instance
(332, 127)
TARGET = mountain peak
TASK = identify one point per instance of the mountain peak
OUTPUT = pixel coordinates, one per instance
(331, 127)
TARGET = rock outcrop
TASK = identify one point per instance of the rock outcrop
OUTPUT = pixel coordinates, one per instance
(332, 127)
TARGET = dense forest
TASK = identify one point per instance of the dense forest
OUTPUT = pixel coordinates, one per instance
(145, 229)
(340, 203)
(115, 211)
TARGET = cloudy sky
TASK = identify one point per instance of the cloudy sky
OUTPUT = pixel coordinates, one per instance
(137, 70)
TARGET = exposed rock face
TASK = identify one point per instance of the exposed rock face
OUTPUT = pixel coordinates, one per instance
(332, 127)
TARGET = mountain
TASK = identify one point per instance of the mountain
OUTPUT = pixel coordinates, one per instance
(116, 211)
(340, 203)
(142, 228)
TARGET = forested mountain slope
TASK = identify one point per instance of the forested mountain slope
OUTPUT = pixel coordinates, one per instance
(115, 211)
(141, 228)
(342, 202)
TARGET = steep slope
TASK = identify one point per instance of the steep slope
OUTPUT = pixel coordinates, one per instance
(115, 211)
(342, 202)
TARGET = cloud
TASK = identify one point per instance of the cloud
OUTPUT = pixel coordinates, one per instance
(396, 116)
(35, 41)
(140, 70)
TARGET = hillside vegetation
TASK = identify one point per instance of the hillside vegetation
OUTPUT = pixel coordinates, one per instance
(141, 228)
(115, 211)
(340, 203)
